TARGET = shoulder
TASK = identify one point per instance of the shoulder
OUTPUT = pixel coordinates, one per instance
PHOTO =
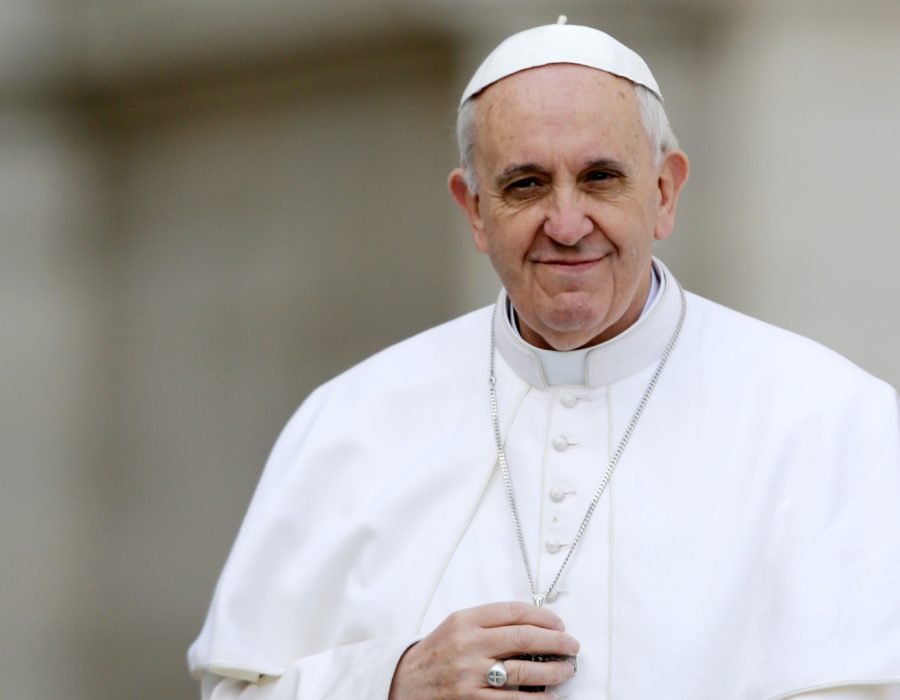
(425, 379)
(734, 343)
(361, 461)
(773, 381)
(434, 355)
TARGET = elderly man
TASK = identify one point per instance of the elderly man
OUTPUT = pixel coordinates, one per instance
(600, 487)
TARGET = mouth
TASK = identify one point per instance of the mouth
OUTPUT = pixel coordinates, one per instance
(572, 266)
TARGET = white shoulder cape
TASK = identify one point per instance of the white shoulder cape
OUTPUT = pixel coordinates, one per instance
(374, 479)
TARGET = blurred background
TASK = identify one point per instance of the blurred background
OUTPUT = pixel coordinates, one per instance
(208, 208)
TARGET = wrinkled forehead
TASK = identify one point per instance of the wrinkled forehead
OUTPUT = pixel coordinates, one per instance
(560, 107)
(560, 43)
(562, 83)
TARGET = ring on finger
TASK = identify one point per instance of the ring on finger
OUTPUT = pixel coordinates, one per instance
(497, 675)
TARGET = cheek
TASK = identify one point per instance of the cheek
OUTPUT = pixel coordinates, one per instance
(503, 254)
(508, 238)
(634, 227)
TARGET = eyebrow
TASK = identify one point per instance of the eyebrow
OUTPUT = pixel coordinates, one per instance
(605, 164)
(514, 171)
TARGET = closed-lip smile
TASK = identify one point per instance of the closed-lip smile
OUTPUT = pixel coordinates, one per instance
(573, 265)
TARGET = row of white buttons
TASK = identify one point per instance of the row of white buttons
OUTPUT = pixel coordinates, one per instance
(560, 443)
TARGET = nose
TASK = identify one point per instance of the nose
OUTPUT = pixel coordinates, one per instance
(567, 221)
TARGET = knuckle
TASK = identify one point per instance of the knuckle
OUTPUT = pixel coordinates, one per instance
(453, 638)
(454, 619)
(456, 623)
(522, 637)
(517, 610)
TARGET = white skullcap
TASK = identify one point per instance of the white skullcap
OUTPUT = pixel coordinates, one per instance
(560, 43)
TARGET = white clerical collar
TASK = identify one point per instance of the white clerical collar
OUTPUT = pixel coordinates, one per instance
(637, 347)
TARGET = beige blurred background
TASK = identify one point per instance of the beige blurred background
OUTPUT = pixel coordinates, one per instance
(207, 208)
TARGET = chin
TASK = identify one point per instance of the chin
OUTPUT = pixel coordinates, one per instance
(571, 337)
(581, 319)
(568, 343)
(568, 324)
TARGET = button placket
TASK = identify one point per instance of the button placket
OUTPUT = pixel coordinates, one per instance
(556, 518)
(570, 415)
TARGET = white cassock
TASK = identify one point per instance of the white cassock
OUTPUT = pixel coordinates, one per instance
(747, 547)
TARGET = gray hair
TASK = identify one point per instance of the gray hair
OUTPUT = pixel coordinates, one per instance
(653, 117)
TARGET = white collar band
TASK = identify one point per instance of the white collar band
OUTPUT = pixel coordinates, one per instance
(638, 347)
(560, 43)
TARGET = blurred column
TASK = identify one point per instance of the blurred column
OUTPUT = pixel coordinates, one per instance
(800, 156)
(49, 356)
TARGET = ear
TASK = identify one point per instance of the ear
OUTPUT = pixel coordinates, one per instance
(672, 175)
(468, 201)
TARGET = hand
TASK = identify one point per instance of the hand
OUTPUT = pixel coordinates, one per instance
(451, 663)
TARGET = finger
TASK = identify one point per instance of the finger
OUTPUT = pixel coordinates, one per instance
(507, 694)
(502, 642)
(514, 613)
(531, 673)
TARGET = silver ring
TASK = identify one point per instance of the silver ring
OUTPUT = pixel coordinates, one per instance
(497, 675)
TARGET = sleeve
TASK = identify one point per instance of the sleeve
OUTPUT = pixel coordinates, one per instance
(853, 692)
(362, 671)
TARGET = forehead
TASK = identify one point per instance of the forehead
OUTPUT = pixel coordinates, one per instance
(554, 107)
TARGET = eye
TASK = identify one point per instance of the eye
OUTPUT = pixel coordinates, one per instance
(524, 183)
(525, 188)
(600, 176)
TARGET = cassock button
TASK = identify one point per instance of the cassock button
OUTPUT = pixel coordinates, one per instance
(557, 495)
(568, 400)
(553, 545)
(560, 443)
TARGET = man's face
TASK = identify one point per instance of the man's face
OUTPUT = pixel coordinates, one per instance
(569, 202)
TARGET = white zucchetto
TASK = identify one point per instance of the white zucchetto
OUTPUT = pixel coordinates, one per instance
(560, 43)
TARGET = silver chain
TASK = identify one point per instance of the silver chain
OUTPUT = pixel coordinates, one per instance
(539, 598)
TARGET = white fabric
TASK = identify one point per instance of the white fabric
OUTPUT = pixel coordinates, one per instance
(560, 43)
(855, 692)
(748, 547)
(286, 688)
